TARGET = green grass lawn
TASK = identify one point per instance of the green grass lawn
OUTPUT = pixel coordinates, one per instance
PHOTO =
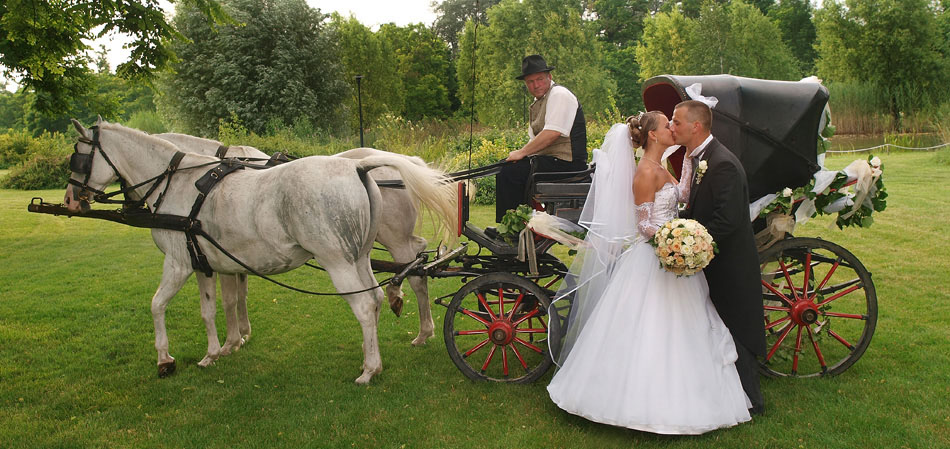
(77, 361)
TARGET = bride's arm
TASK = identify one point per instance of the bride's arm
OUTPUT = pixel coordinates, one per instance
(644, 225)
(686, 180)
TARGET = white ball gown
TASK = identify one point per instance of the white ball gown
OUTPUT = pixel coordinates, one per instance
(653, 355)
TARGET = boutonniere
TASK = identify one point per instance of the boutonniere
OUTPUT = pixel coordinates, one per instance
(700, 171)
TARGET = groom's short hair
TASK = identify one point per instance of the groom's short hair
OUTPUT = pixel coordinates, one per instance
(697, 111)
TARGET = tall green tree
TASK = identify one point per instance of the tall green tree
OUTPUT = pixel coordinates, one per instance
(279, 65)
(42, 42)
(734, 38)
(794, 19)
(424, 64)
(451, 16)
(551, 28)
(620, 25)
(893, 45)
(365, 54)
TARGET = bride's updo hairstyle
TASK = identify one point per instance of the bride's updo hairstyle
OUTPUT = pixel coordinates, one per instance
(641, 124)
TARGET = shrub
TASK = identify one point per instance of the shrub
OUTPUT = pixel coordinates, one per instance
(148, 121)
(15, 147)
(42, 165)
(41, 171)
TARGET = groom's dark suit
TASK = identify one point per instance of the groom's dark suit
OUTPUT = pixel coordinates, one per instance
(720, 202)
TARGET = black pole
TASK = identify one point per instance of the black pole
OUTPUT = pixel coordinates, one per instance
(524, 103)
(359, 96)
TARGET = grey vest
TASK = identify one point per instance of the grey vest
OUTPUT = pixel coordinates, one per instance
(564, 147)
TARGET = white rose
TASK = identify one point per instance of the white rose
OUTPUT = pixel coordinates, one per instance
(875, 162)
(702, 165)
(787, 192)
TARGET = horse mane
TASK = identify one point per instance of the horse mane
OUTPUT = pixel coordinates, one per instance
(158, 141)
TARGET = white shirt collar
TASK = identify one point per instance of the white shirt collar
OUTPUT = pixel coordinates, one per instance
(698, 151)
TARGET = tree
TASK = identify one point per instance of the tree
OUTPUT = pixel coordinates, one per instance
(279, 66)
(41, 42)
(451, 16)
(425, 68)
(363, 52)
(551, 28)
(732, 38)
(892, 44)
(620, 25)
(793, 18)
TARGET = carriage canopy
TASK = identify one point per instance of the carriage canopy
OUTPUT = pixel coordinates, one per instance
(772, 126)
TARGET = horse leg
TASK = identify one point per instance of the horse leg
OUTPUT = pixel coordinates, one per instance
(229, 299)
(420, 287)
(244, 322)
(365, 307)
(207, 289)
(173, 278)
(404, 247)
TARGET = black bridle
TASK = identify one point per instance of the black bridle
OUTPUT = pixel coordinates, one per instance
(81, 163)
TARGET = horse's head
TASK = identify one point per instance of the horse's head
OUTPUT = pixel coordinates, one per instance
(91, 169)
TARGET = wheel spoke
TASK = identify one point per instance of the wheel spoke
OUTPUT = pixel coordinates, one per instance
(840, 294)
(841, 339)
(501, 302)
(777, 293)
(831, 271)
(472, 332)
(528, 345)
(515, 307)
(469, 313)
(504, 360)
(814, 344)
(476, 348)
(798, 351)
(525, 317)
(772, 324)
(484, 303)
(491, 354)
(846, 315)
(807, 273)
(778, 343)
(788, 279)
(520, 358)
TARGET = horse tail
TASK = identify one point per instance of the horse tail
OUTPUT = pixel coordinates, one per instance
(427, 185)
(374, 208)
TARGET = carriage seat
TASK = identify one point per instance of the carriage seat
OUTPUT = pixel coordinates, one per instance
(562, 194)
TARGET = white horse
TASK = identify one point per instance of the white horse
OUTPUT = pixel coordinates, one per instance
(399, 213)
(272, 220)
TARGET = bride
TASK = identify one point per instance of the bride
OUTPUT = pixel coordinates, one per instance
(644, 349)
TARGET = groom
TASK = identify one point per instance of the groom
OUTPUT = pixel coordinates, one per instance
(719, 200)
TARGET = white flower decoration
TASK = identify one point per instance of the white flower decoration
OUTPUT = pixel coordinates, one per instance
(787, 192)
(700, 171)
(876, 162)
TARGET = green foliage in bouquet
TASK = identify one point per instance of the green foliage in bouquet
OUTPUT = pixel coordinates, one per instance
(514, 222)
(838, 189)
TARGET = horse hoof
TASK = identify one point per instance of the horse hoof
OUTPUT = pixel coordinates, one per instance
(166, 369)
(396, 306)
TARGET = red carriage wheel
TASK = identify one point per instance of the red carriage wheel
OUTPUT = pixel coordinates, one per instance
(820, 308)
(495, 329)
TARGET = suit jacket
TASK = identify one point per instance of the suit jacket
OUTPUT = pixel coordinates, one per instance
(720, 202)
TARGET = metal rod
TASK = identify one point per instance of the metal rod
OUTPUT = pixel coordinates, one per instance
(359, 96)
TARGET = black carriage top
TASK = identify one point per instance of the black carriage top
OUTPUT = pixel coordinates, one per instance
(772, 126)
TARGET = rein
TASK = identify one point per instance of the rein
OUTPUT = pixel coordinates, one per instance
(190, 225)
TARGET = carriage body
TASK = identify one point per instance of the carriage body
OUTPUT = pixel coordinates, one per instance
(819, 303)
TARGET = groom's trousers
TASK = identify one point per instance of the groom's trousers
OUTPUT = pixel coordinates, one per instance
(748, 368)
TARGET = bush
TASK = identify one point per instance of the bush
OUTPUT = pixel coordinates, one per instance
(42, 171)
(41, 162)
(148, 121)
(15, 147)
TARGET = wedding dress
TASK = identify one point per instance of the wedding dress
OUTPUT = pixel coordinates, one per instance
(651, 353)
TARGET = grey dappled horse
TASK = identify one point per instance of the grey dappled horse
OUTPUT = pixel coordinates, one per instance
(398, 210)
(273, 220)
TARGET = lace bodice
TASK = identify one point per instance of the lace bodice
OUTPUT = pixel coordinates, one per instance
(650, 216)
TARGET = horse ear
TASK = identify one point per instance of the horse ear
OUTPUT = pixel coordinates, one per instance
(79, 128)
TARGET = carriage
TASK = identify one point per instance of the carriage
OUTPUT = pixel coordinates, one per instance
(819, 302)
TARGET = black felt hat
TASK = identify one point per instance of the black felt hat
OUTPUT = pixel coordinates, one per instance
(533, 64)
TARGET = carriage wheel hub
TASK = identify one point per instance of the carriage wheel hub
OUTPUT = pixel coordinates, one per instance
(805, 313)
(501, 333)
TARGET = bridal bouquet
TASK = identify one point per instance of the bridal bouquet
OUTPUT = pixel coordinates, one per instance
(683, 246)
